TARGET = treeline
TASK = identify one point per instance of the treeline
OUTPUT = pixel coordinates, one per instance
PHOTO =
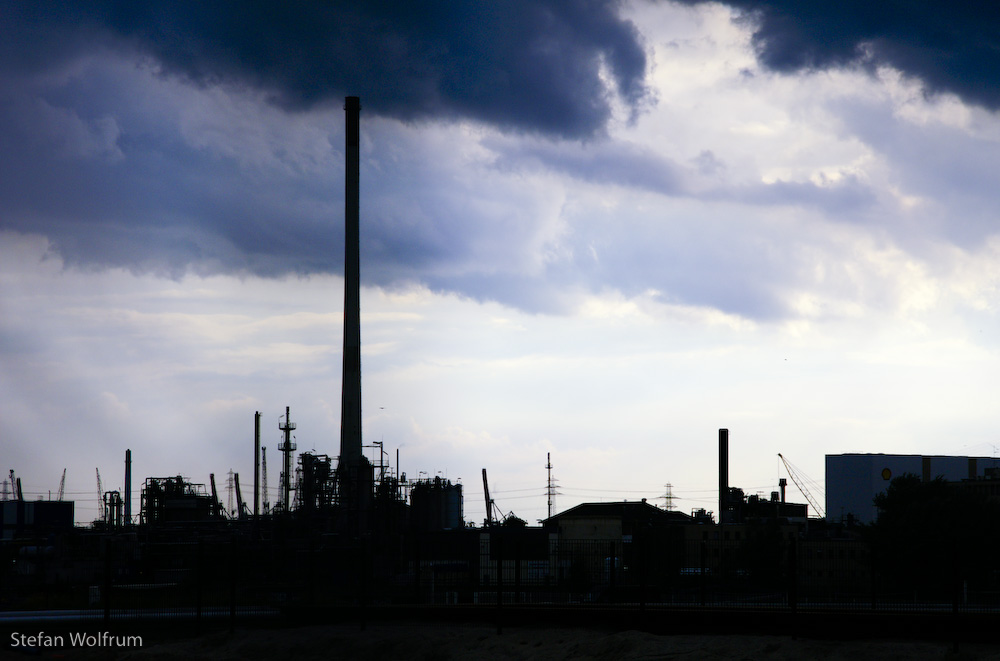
(934, 538)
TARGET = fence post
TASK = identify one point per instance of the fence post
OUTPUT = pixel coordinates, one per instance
(5, 566)
(311, 573)
(641, 552)
(367, 566)
(416, 568)
(199, 581)
(517, 571)
(499, 556)
(702, 578)
(40, 570)
(793, 576)
(611, 573)
(956, 580)
(874, 576)
(232, 582)
(107, 581)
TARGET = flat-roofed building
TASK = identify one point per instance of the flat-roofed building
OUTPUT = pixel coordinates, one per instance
(853, 480)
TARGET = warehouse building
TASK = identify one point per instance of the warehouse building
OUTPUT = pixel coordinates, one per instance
(853, 480)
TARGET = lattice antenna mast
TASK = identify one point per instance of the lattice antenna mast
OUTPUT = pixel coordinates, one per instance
(62, 486)
(550, 490)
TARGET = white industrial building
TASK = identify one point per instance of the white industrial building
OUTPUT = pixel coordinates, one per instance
(853, 480)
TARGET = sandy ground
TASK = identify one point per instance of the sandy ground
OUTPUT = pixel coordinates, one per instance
(445, 643)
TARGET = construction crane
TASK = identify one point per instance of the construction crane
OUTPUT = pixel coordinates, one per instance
(800, 481)
(62, 486)
(489, 501)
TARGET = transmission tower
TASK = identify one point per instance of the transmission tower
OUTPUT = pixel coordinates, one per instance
(229, 492)
(668, 497)
(100, 494)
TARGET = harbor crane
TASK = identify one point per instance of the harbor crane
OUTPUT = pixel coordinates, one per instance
(240, 505)
(489, 501)
(800, 481)
(499, 518)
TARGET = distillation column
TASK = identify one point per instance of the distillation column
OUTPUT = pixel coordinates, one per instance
(287, 448)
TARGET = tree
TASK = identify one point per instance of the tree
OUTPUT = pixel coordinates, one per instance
(513, 521)
(931, 536)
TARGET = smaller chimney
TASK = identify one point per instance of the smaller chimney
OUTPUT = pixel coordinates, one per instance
(256, 464)
(723, 474)
(128, 487)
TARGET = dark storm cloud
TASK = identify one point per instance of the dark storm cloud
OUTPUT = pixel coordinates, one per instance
(633, 166)
(109, 185)
(601, 162)
(524, 65)
(950, 46)
(116, 121)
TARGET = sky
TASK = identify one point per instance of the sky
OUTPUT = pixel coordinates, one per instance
(601, 230)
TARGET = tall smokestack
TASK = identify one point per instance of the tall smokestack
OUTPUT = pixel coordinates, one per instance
(723, 474)
(350, 406)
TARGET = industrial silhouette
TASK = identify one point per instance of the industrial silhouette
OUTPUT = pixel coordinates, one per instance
(352, 537)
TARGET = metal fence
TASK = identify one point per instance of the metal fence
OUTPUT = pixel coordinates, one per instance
(114, 578)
